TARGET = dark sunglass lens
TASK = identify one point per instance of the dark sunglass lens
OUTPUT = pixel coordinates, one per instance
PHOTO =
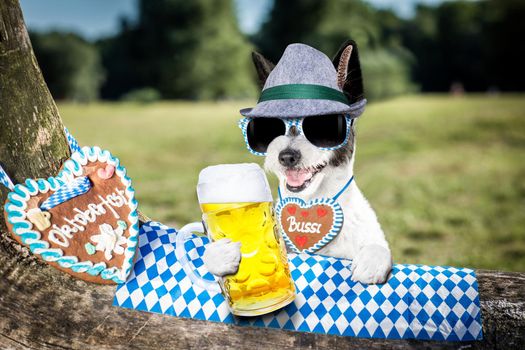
(325, 130)
(262, 131)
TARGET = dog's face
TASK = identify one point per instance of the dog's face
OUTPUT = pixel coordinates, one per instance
(303, 168)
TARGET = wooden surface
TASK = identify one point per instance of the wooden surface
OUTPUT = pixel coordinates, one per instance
(43, 308)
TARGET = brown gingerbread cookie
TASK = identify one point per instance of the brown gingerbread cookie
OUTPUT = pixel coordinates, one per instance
(84, 221)
(309, 226)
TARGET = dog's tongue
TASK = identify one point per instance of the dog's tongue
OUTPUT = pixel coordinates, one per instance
(296, 178)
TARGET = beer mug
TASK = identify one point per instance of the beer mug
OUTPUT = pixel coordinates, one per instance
(236, 203)
(39, 218)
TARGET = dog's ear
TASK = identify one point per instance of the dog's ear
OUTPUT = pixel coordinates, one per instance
(349, 77)
(263, 66)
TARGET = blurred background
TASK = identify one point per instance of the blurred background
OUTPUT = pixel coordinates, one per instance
(440, 147)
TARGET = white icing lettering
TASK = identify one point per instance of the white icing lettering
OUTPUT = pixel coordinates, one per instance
(54, 235)
(61, 235)
(303, 227)
(82, 220)
(76, 226)
(122, 195)
(104, 201)
(66, 231)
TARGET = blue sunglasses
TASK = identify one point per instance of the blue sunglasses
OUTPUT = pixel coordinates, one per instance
(327, 132)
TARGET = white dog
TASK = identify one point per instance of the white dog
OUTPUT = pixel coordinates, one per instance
(308, 172)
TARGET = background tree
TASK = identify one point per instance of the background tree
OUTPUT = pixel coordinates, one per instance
(124, 58)
(71, 65)
(288, 22)
(194, 50)
(447, 41)
(503, 30)
(420, 36)
(326, 24)
(473, 43)
(185, 49)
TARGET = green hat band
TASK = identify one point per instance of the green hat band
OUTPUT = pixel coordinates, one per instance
(302, 92)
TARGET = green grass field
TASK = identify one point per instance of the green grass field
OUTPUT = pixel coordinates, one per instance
(445, 175)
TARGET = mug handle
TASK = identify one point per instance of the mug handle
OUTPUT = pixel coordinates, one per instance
(183, 234)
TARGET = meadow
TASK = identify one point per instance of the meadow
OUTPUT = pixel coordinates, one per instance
(446, 175)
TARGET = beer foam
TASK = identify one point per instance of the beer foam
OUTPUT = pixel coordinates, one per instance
(231, 183)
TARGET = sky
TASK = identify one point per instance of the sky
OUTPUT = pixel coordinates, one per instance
(97, 18)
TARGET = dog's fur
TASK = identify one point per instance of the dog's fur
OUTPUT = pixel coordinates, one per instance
(361, 238)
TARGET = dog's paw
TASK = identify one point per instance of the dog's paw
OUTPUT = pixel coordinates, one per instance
(222, 257)
(372, 264)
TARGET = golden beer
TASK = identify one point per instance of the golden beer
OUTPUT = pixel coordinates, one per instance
(236, 203)
(263, 283)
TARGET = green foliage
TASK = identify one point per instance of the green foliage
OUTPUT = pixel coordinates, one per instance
(470, 42)
(142, 95)
(185, 49)
(385, 74)
(288, 22)
(442, 173)
(194, 50)
(447, 39)
(327, 24)
(71, 66)
(503, 30)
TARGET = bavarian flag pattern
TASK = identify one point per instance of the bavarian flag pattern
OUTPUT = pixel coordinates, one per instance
(5, 179)
(417, 301)
(75, 188)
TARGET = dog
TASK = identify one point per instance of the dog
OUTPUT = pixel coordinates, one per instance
(308, 172)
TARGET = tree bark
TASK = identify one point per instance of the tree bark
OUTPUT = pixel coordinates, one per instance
(43, 308)
(32, 141)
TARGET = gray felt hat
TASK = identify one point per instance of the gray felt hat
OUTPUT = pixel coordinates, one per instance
(303, 83)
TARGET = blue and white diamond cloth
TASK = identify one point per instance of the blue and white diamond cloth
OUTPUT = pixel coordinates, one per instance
(6, 180)
(421, 302)
(73, 144)
(77, 187)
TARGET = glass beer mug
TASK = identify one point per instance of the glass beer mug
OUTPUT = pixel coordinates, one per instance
(236, 203)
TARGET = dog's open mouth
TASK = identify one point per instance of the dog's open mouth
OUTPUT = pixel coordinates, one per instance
(299, 179)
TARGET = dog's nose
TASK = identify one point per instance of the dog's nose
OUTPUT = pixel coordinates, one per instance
(289, 157)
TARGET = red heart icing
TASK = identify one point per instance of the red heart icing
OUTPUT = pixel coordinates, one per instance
(291, 210)
(301, 241)
(321, 212)
(304, 214)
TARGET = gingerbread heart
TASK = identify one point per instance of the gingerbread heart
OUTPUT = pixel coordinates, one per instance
(83, 221)
(309, 226)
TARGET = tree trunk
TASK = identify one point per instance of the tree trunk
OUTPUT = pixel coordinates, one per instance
(43, 308)
(32, 141)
